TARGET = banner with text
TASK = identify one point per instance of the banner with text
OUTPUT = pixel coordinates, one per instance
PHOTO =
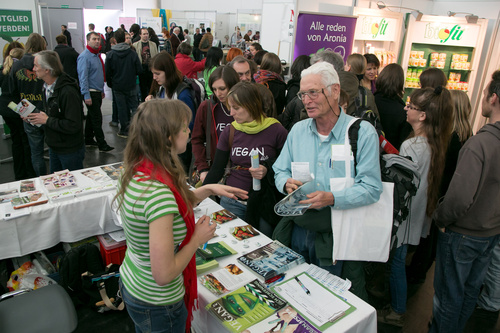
(15, 23)
(329, 32)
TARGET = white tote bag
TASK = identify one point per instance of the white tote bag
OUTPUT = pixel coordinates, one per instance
(363, 233)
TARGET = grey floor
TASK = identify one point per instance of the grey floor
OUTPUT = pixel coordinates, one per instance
(419, 296)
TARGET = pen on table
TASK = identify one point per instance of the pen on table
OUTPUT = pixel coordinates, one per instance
(303, 287)
(205, 245)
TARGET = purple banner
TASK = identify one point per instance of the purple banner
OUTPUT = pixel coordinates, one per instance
(329, 32)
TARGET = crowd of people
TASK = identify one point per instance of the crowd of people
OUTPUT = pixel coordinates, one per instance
(246, 107)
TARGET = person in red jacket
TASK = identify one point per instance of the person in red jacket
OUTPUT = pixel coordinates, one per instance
(186, 65)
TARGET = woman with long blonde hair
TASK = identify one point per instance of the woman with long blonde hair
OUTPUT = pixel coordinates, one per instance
(158, 274)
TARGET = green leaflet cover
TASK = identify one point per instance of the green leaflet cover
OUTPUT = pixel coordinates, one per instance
(204, 265)
(215, 250)
(245, 306)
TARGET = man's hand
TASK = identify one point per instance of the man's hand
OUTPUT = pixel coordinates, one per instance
(38, 118)
(148, 98)
(103, 95)
(319, 199)
(291, 185)
(88, 101)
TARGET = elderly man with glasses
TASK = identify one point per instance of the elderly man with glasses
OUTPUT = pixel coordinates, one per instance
(315, 146)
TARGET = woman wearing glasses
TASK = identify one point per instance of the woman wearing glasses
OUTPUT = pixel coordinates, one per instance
(251, 131)
(428, 112)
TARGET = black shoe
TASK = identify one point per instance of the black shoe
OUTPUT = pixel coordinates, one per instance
(106, 148)
(91, 144)
(122, 134)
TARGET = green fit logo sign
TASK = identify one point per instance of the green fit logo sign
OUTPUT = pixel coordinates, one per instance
(379, 28)
(444, 34)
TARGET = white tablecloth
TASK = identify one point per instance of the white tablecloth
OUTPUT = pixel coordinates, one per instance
(362, 320)
(48, 224)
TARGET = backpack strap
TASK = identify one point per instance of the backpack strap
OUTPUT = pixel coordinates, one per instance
(353, 139)
(208, 131)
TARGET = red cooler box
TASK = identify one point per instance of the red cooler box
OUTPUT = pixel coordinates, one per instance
(112, 252)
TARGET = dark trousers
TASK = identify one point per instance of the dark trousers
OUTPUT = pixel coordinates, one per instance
(21, 152)
(145, 80)
(114, 116)
(71, 161)
(126, 102)
(93, 123)
(37, 145)
(196, 54)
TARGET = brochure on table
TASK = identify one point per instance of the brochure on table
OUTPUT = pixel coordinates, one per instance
(448, 43)
(379, 32)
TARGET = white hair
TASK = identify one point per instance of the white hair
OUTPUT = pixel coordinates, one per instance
(328, 73)
(177, 29)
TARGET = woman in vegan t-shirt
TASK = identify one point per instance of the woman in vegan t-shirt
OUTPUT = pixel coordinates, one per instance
(250, 132)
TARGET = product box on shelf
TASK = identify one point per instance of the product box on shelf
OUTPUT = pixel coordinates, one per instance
(112, 252)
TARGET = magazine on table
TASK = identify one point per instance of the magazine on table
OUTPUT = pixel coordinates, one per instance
(271, 259)
(222, 216)
(244, 232)
(113, 171)
(245, 306)
(204, 265)
(7, 195)
(226, 279)
(30, 199)
(96, 176)
(27, 186)
(216, 250)
(59, 180)
(286, 320)
(290, 206)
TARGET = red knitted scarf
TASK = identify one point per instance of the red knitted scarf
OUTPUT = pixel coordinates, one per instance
(94, 51)
(189, 273)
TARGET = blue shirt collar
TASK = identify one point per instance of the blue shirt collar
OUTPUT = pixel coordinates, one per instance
(337, 130)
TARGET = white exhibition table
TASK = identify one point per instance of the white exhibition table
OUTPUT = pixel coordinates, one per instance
(80, 217)
(362, 320)
(48, 224)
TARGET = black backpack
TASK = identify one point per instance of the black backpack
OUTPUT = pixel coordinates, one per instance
(397, 169)
(84, 258)
(363, 112)
(196, 89)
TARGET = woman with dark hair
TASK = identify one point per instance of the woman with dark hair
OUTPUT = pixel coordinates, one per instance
(259, 56)
(371, 72)
(158, 274)
(135, 31)
(293, 86)
(213, 60)
(168, 83)
(153, 37)
(212, 117)
(428, 112)
(254, 48)
(186, 64)
(432, 78)
(269, 75)
(251, 131)
(390, 105)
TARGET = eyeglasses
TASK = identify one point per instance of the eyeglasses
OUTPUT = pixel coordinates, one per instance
(411, 107)
(312, 94)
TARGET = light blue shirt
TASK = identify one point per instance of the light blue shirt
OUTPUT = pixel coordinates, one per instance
(90, 73)
(304, 145)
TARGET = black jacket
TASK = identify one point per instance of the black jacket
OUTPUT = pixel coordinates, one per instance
(122, 66)
(5, 98)
(393, 119)
(68, 37)
(64, 127)
(292, 88)
(278, 88)
(68, 56)
(23, 82)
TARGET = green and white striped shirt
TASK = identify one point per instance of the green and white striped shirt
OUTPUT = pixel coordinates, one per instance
(143, 203)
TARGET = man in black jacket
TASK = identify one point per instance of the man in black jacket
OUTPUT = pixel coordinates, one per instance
(63, 116)
(65, 32)
(68, 56)
(122, 66)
